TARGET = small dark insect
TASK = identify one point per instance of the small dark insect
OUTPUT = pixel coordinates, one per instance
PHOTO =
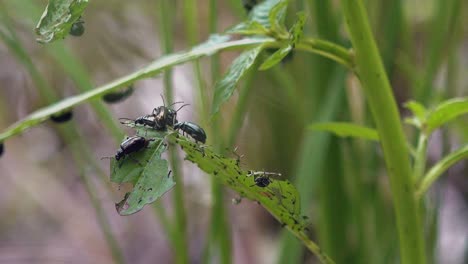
(62, 117)
(77, 29)
(131, 145)
(262, 178)
(159, 119)
(193, 130)
(249, 4)
(2, 148)
(118, 96)
(166, 116)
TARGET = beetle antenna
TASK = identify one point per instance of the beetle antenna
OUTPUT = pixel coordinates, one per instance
(182, 107)
(164, 102)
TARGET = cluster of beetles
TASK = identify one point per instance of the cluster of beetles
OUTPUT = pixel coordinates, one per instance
(163, 117)
(160, 119)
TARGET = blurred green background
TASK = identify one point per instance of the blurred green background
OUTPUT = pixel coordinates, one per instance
(56, 201)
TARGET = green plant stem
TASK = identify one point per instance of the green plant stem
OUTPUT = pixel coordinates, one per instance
(385, 113)
(439, 168)
(219, 214)
(179, 230)
(329, 50)
(420, 158)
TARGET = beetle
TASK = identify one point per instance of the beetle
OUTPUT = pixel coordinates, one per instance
(131, 145)
(118, 96)
(262, 178)
(193, 130)
(62, 117)
(166, 116)
(160, 118)
(77, 29)
(1, 148)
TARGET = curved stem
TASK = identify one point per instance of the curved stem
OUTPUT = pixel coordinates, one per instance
(439, 168)
(420, 158)
(329, 50)
(382, 103)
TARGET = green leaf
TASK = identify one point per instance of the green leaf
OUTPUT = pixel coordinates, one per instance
(343, 129)
(213, 45)
(225, 87)
(419, 114)
(276, 16)
(280, 197)
(440, 167)
(261, 12)
(297, 29)
(248, 28)
(58, 18)
(148, 173)
(276, 57)
(445, 112)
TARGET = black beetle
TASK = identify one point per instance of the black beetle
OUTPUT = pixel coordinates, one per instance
(118, 96)
(62, 117)
(193, 130)
(1, 148)
(131, 145)
(262, 178)
(77, 29)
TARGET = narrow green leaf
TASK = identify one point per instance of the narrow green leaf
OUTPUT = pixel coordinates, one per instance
(275, 58)
(225, 87)
(445, 112)
(277, 15)
(58, 18)
(148, 173)
(248, 28)
(297, 29)
(213, 45)
(343, 129)
(439, 168)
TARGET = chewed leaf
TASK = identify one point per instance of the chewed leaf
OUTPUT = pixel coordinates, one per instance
(343, 129)
(58, 18)
(148, 173)
(445, 112)
(276, 58)
(226, 86)
(280, 197)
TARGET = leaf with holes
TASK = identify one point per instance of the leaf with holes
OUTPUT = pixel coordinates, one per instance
(226, 86)
(148, 173)
(343, 129)
(280, 197)
(58, 18)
